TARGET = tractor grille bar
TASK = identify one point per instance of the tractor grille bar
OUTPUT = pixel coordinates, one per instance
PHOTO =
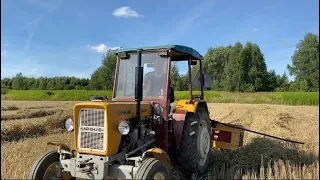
(91, 129)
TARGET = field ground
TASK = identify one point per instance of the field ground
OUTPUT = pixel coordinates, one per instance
(26, 127)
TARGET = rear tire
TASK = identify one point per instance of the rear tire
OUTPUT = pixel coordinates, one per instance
(46, 167)
(195, 144)
(152, 168)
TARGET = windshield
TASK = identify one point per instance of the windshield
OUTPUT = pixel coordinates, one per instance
(154, 76)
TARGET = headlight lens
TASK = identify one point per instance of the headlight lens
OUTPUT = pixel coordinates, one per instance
(69, 125)
(124, 128)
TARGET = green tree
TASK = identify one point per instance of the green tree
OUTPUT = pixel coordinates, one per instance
(258, 69)
(271, 81)
(214, 64)
(305, 62)
(102, 78)
(234, 72)
(183, 83)
(282, 83)
(174, 75)
(18, 82)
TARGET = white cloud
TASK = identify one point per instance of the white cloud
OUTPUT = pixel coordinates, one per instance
(126, 12)
(102, 48)
(4, 52)
(255, 29)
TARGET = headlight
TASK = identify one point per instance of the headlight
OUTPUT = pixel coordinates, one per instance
(124, 128)
(69, 125)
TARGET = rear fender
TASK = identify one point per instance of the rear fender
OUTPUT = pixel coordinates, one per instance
(179, 117)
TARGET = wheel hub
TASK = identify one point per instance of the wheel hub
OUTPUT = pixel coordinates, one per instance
(159, 176)
(203, 142)
(51, 172)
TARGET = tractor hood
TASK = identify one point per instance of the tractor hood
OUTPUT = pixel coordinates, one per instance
(99, 121)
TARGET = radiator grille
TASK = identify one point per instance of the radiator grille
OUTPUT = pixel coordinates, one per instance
(91, 129)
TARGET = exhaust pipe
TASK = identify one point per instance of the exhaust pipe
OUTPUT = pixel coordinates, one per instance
(138, 84)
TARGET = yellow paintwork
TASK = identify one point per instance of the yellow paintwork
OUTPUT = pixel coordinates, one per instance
(113, 119)
(159, 154)
(235, 138)
(184, 105)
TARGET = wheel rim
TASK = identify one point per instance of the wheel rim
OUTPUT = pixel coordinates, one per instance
(51, 172)
(203, 143)
(159, 176)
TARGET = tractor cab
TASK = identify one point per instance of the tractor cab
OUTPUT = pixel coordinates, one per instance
(156, 65)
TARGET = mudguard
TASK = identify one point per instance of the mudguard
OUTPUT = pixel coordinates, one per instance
(159, 154)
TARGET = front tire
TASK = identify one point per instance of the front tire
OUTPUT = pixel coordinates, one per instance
(46, 167)
(152, 168)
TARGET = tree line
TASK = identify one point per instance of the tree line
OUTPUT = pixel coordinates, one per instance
(235, 68)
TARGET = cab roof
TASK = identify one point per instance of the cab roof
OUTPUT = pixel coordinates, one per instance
(182, 51)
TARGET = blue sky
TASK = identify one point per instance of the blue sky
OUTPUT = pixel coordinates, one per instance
(68, 38)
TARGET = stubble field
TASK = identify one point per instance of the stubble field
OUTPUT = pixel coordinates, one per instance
(26, 127)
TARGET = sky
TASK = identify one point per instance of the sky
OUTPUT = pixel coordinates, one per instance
(68, 38)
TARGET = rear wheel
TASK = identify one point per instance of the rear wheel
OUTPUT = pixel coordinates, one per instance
(203, 141)
(46, 167)
(152, 168)
(195, 146)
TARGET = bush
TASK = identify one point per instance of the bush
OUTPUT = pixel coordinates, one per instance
(4, 90)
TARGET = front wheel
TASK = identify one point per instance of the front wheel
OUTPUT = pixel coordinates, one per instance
(152, 168)
(47, 167)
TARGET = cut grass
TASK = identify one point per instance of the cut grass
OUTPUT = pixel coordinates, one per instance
(289, 98)
(260, 158)
(25, 114)
(17, 157)
(263, 159)
(224, 165)
(21, 129)
(9, 108)
(40, 107)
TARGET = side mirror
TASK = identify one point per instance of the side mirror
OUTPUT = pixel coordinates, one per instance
(193, 63)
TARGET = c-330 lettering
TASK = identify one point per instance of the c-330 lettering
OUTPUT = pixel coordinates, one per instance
(92, 129)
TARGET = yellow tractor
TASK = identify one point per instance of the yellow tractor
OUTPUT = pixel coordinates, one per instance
(140, 132)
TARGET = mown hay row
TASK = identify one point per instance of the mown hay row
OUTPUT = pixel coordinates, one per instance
(40, 107)
(264, 158)
(18, 157)
(27, 114)
(51, 124)
(9, 108)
